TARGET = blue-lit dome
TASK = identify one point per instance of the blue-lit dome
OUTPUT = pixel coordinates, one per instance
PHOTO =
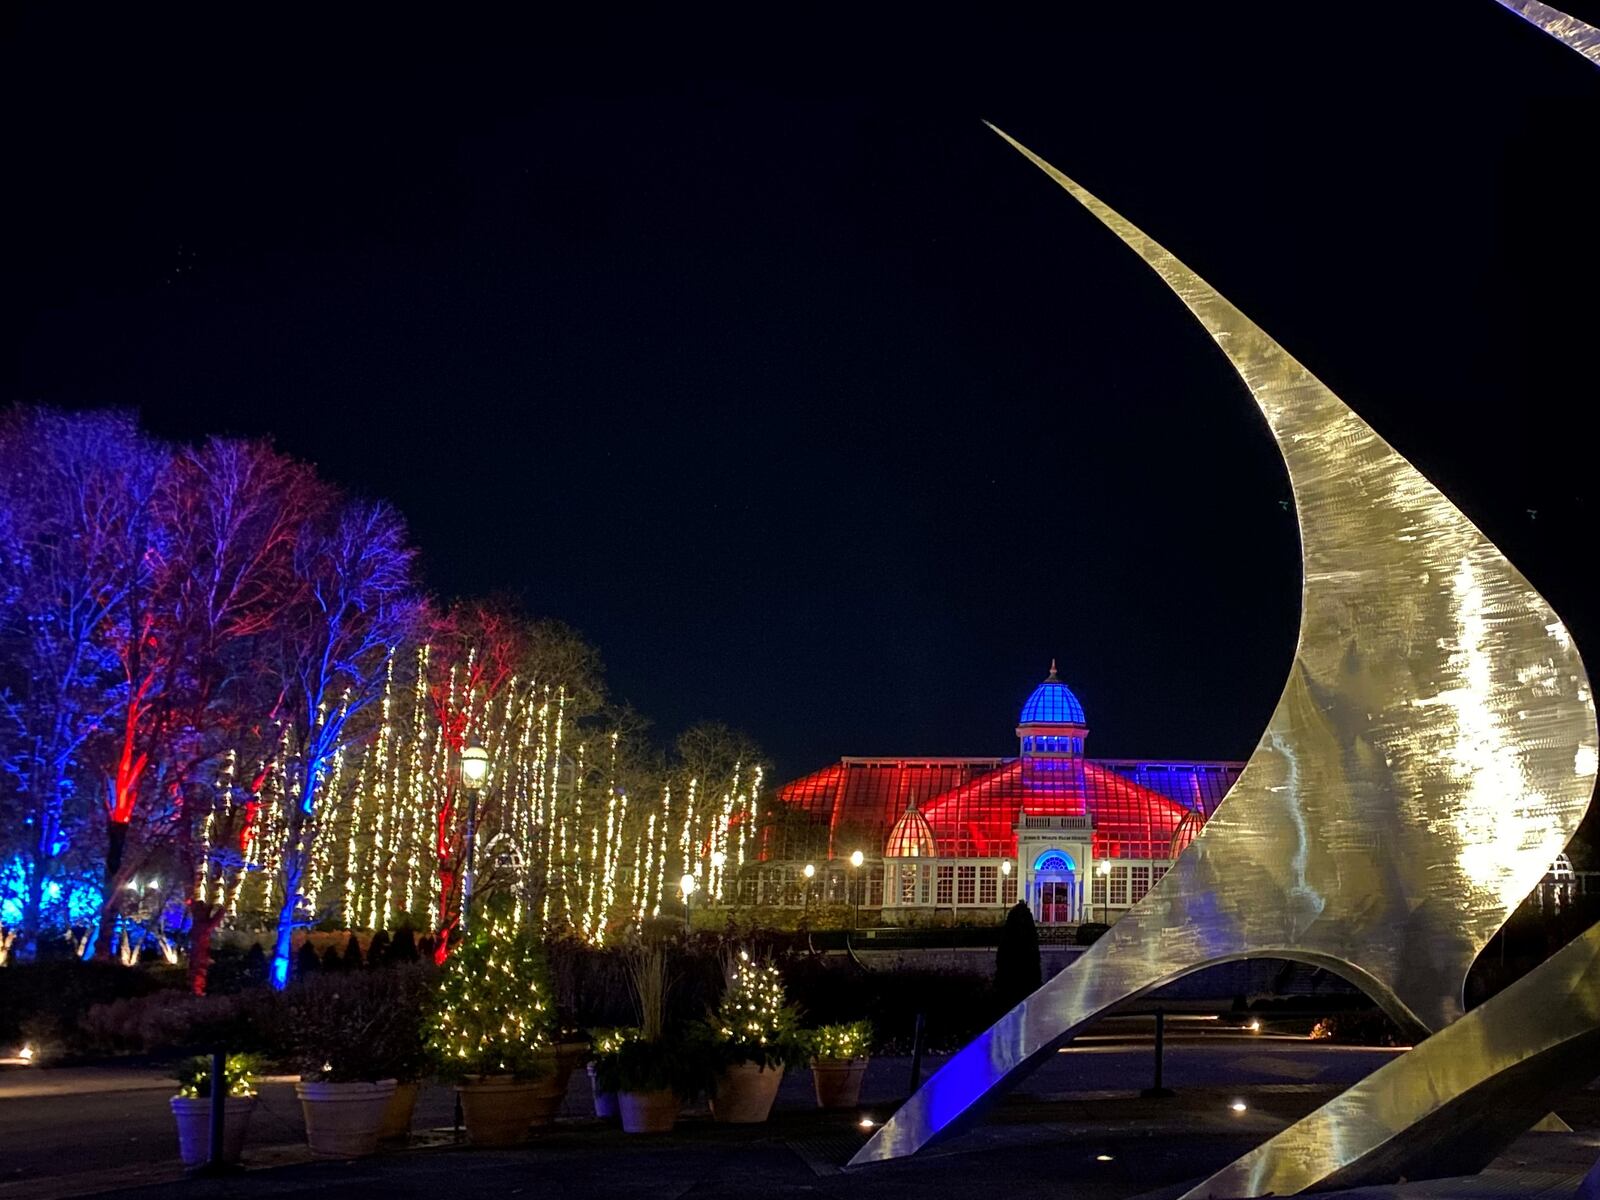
(1052, 703)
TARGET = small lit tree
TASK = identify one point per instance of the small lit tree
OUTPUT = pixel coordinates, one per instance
(754, 1023)
(494, 1012)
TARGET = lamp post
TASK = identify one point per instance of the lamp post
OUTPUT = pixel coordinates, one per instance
(856, 859)
(805, 904)
(686, 885)
(474, 770)
(1005, 873)
(1104, 871)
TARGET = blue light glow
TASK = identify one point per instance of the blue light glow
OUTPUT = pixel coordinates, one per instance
(1052, 703)
(1054, 860)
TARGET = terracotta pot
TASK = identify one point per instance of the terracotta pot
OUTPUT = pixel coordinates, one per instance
(194, 1128)
(743, 1093)
(648, 1112)
(342, 1119)
(499, 1109)
(838, 1081)
(549, 1092)
(396, 1125)
(605, 1103)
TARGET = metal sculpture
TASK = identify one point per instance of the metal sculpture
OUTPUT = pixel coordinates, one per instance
(1433, 750)
(1452, 1104)
(1580, 35)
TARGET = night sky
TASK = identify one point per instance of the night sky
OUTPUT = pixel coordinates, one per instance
(741, 345)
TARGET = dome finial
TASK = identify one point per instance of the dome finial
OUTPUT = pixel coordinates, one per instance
(1052, 674)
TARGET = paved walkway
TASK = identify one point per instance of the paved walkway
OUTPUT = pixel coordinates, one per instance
(1080, 1127)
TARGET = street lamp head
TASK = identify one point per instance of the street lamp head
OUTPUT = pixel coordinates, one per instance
(687, 885)
(718, 859)
(474, 766)
(1104, 868)
(857, 858)
(1005, 867)
(810, 870)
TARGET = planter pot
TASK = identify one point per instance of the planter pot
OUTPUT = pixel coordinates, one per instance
(396, 1124)
(605, 1103)
(194, 1128)
(648, 1112)
(838, 1081)
(743, 1093)
(342, 1119)
(558, 1063)
(499, 1109)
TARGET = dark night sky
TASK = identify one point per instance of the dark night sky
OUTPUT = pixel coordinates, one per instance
(745, 349)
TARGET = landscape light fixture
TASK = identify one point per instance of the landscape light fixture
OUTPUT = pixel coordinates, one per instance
(474, 767)
(686, 885)
(856, 859)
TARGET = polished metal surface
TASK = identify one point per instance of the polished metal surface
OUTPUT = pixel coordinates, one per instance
(1451, 1105)
(1433, 750)
(1580, 35)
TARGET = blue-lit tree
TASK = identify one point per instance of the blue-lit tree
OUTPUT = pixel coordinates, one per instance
(75, 492)
(357, 600)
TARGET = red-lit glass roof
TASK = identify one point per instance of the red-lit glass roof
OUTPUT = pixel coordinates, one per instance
(1141, 809)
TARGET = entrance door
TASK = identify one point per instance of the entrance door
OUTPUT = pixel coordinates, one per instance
(1055, 888)
(1056, 903)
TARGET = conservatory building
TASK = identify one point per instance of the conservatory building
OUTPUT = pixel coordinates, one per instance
(1077, 838)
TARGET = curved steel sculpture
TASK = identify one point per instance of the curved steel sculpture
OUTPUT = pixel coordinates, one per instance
(1433, 750)
(1580, 35)
(1452, 1104)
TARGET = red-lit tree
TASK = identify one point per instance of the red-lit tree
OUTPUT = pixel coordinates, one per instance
(479, 647)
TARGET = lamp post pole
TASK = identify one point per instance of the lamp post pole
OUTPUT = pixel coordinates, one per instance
(856, 859)
(805, 902)
(686, 885)
(1104, 871)
(474, 770)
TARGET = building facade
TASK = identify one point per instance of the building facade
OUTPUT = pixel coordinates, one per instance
(1079, 839)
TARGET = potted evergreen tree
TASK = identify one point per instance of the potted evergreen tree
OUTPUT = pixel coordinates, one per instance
(191, 1107)
(354, 1036)
(491, 1031)
(753, 1033)
(839, 1055)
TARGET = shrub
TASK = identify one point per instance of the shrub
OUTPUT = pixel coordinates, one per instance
(351, 959)
(608, 1044)
(379, 952)
(1017, 971)
(52, 998)
(359, 1027)
(834, 1043)
(239, 1073)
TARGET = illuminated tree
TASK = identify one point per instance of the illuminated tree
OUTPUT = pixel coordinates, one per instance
(224, 523)
(494, 1014)
(75, 491)
(356, 601)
